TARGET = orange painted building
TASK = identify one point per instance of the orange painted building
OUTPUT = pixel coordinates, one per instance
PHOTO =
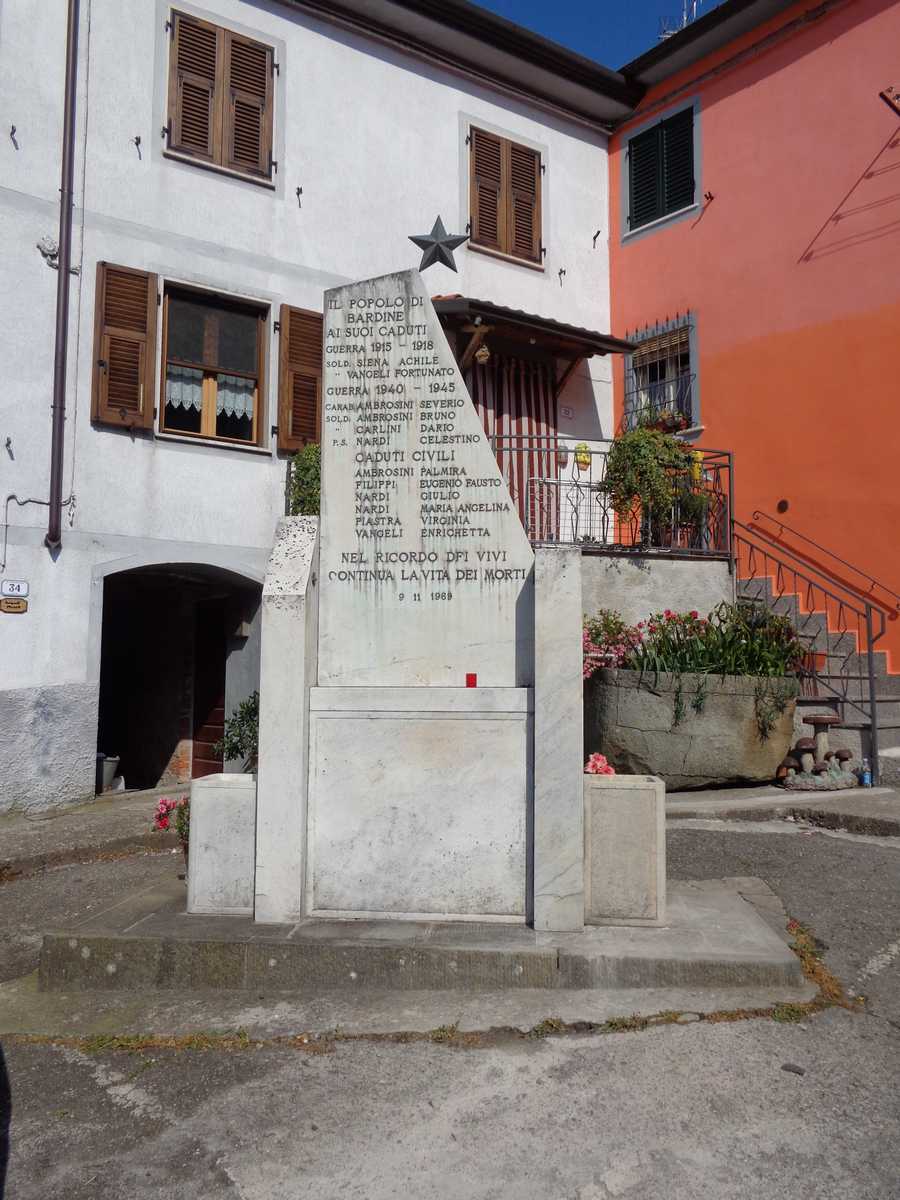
(755, 255)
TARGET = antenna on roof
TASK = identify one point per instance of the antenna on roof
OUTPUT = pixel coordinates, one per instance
(690, 10)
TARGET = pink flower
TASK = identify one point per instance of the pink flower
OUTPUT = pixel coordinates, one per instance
(694, 614)
(162, 823)
(597, 765)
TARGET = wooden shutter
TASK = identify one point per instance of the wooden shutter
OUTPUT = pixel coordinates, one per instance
(678, 161)
(124, 347)
(248, 105)
(524, 239)
(644, 178)
(300, 378)
(194, 104)
(486, 190)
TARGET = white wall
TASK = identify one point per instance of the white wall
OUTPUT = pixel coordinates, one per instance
(377, 142)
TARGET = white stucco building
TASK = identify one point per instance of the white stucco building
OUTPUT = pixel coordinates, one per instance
(233, 159)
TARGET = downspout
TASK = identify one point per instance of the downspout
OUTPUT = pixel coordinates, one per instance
(53, 540)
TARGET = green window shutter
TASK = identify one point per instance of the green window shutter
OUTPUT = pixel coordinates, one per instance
(645, 178)
(678, 161)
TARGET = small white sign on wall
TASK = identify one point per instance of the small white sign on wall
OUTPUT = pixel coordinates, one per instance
(14, 587)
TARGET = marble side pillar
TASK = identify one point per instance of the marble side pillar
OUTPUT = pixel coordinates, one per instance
(287, 670)
(558, 741)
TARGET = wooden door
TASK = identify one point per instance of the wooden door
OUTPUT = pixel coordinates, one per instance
(209, 688)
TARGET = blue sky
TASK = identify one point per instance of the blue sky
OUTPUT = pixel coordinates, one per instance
(610, 31)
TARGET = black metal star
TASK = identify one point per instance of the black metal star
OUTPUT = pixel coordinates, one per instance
(438, 246)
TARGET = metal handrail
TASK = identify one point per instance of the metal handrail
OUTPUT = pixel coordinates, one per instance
(759, 515)
(561, 498)
(804, 572)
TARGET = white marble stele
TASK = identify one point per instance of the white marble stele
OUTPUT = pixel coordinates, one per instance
(420, 723)
(221, 844)
(624, 850)
(426, 571)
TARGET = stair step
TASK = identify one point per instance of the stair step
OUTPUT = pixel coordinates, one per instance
(868, 725)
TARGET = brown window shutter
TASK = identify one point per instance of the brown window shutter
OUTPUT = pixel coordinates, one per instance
(525, 202)
(486, 190)
(194, 104)
(124, 347)
(248, 105)
(300, 378)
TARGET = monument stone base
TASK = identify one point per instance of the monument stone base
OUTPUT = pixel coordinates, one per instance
(418, 802)
(221, 847)
(624, 850)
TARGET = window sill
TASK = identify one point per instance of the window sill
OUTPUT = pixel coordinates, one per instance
(692, 432)
(216, 169)
(660, 221)
(510, 258)
(187, 439)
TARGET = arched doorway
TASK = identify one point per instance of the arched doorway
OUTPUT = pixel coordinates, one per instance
(179, 652)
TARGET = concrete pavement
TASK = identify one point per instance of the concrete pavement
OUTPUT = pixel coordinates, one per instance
(707, 1110)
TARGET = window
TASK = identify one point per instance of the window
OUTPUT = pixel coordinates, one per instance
(661, 169)
(213, 367)
(505, 196)
(660, 383)
(220, 97)
(213, 371)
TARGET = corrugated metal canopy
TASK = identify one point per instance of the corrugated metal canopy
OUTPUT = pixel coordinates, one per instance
(586, 342)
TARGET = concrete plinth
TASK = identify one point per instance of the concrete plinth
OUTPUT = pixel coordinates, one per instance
(715, 938)
(221, 847)
(624, 849)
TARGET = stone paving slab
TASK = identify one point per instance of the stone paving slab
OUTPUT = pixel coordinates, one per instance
(116, 821)
(715, 938)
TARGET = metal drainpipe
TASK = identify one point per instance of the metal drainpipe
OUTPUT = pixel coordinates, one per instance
(66, 200)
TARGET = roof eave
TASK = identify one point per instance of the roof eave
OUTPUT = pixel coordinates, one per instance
(704, 36)
(466, 38)
(588, 341)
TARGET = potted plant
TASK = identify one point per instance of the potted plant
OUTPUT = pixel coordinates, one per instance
(645, 469)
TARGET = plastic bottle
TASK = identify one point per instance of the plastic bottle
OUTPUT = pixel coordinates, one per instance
(865, 773)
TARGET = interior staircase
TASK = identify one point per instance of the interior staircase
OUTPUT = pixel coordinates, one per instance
(841, 615)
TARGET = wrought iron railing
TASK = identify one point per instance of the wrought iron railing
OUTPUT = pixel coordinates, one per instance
(839, 629)
(851, 577)
(668, 404)
(560, 490)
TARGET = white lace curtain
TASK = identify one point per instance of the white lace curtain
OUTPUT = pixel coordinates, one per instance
(234, 394)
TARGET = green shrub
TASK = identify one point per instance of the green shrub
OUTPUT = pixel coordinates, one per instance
(306, 481)
(240, 741)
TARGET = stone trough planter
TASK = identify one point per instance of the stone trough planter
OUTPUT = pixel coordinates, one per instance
(691, 730)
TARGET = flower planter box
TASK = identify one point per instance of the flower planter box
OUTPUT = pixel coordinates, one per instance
(659, 725)
(624, 850)
(221, 853)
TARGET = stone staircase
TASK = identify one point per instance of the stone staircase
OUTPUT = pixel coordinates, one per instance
(838, 679)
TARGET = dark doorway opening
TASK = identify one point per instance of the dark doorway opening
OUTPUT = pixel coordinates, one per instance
(179, 651)
(209, 687)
